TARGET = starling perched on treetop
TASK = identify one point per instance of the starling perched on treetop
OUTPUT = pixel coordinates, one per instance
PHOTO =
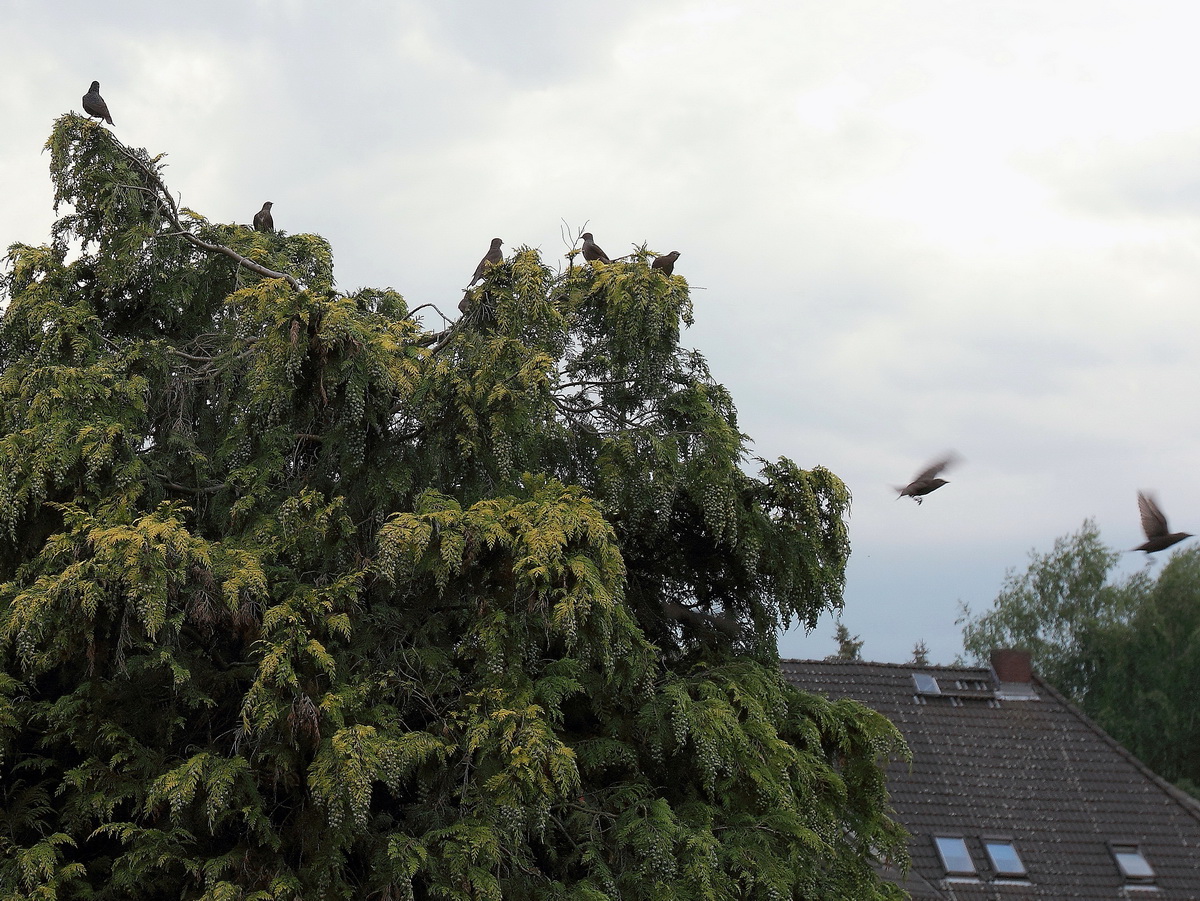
(1154, 524)
(491, 258)
(592, 251)
(262, 219)
(666, 262)
(926, 481)
(94, 105)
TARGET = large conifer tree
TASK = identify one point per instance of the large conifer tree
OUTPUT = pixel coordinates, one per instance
(300, 599)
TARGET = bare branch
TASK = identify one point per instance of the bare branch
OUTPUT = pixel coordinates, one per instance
(208, 489)
(174, 351)
(241, 260)
(172, 212)
(415, 310)
(565, 405)
(684, 614)
(608, 384)
(179, 353)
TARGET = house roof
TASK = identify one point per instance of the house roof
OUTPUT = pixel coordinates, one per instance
(1017, 761)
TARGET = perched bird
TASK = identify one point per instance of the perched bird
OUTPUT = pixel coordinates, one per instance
(592, 250)
(1154, 524)
(666, 262)
(491, 258)
(262, 219)
(94, 105)
(926, 481)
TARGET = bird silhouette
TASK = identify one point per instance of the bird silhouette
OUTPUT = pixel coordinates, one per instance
(94, 105)
(262, 219)
(666, 262)
(491, 258)
(1154, 524)
(592, 250)
(926, 481)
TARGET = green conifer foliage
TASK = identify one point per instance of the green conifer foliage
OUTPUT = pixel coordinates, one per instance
(299, 599)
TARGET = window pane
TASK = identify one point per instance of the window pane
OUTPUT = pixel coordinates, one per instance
(926, 684)
(1132, 863)
(1005, 859)
(955, 856)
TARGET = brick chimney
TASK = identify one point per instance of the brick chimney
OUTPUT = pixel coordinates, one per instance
(1011, 665)
(1013, 670)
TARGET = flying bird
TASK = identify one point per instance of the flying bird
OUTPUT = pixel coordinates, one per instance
(94, 105)
(666, 262)
(926, 481)
(1154, 524)
(592, 250)
(262, 219)
(491, 258)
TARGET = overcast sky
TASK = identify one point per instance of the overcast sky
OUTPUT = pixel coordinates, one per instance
(919, 227)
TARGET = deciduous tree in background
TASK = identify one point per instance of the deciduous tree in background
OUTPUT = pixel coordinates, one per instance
(1056, 610)
(1126, 651)
(299, 599)
(1145, 687)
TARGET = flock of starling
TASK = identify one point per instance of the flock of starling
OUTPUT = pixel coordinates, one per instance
(1154, 523)
(94, 105)
(591, 252)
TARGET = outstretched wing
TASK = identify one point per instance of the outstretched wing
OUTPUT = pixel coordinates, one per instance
(1154, 523)
(936, 468)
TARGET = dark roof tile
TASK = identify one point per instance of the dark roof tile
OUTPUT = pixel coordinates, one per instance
(1036, 771)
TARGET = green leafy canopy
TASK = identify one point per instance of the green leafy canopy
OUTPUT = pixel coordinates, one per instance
(1126, 650)
(301, 599)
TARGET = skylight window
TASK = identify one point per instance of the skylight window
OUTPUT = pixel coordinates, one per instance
(955, 856)
(1132, 864)
(1004, 857)
(926, 684)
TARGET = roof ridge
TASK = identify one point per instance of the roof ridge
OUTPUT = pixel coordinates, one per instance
(839, 661)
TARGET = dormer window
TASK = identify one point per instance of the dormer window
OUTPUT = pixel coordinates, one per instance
(955, 856)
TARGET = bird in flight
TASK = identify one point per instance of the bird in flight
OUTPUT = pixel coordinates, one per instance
(592, 250)
(926, 481)
(262, 219)
(491, 258)
(1154, 524)
(666, 262)
(94, 105)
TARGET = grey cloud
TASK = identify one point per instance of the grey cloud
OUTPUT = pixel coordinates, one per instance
(1107, 178)
(826, 171)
